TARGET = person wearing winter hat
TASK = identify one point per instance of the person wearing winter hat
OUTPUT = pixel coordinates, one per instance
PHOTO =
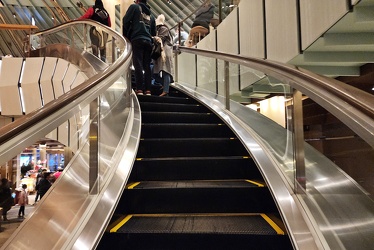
(163, 66)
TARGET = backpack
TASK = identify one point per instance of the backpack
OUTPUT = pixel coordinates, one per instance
(145, 19)
(100, 15)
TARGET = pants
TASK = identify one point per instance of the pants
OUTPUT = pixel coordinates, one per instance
(21, 211)
(37, 196)
(98, 43)
(166, 79)
(141, 56)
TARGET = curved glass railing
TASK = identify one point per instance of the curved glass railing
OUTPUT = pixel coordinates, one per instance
(105, 116)
(281, 107)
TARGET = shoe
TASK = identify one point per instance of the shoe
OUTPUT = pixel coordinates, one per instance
(163, 94)
(139, 92)
(147, 92)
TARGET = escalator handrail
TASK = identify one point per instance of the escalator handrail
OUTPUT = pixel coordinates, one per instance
(94, 85)
(331, 94)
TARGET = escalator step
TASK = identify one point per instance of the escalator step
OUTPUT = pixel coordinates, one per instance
(195, 183)
(183, 117)
(259, 224)
(166, 99)
(184, 130)
(165, 198)
(192, 147)
(199, 231)
(172, 107)
(195, 168)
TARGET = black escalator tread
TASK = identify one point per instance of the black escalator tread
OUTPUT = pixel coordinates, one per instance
(196, 183)
(249, 199)
(172, 107)
(195, 168)
(201, 223)
(174, 117)
(191, 147)
(166, 99)
(180, 130)
(199, 231)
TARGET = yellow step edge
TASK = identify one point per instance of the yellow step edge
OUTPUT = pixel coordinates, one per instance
(195, 215)
(256, 183)
(119, 225)
(114, 223)
(122, 222)
(272, 224)
(133, 185)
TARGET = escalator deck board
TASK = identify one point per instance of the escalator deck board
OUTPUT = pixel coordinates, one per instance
(243, 224)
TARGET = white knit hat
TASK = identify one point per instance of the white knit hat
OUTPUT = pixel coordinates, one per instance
(160, 20)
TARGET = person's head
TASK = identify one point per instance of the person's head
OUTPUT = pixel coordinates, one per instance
(4, 181)
(141, 1)
(207, 3)
(46, 174)
(160, 19)
(99, 4)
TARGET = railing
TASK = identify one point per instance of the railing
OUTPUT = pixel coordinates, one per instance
(282, 92)
(107, 118)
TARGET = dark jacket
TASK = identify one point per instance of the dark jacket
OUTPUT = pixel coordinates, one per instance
(137, 26)
(6, 200)
(203, 16)
(44, 185)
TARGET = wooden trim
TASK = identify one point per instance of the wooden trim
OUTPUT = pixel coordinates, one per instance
(17, 27)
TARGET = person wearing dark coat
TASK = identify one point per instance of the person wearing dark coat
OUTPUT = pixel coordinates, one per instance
(6, 199)
(139, 26)
(44, 184)
(204, 15)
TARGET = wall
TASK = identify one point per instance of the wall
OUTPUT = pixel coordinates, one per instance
(324, 15)
(271, 28)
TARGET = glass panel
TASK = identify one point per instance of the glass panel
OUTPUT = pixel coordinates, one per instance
(111, 128)
(328, 135)
(261, 93)
(79, 37)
